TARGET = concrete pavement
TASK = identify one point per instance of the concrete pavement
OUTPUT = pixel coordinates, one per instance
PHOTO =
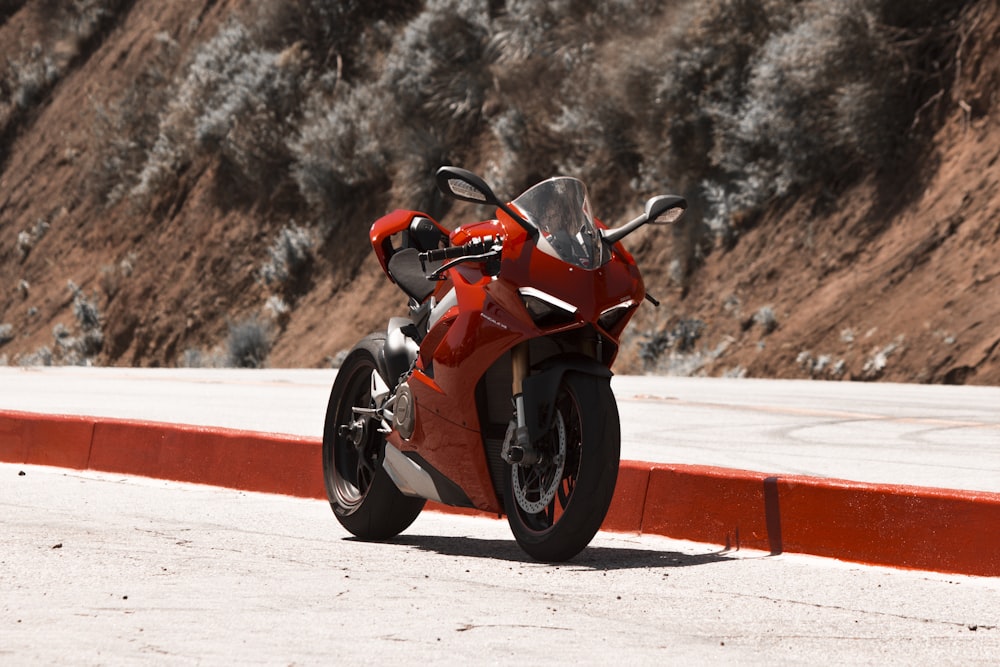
(103, 569)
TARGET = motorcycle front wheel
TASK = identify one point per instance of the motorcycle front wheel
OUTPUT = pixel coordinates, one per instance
(555, 507)
(363, 497)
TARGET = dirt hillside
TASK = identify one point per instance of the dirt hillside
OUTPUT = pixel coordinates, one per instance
(889, 278)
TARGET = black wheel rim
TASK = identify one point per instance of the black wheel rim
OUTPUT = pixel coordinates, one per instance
(356, 445)
(540, 475)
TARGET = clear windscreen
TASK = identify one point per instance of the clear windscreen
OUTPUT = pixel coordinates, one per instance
(560, 209)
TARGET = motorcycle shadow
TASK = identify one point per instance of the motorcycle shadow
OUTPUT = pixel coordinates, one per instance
(594, 557)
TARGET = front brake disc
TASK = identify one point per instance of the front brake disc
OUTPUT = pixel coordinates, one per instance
(536, 485)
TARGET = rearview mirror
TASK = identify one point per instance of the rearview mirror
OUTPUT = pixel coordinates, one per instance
(665, 209)
(464, 185)
(660, 210)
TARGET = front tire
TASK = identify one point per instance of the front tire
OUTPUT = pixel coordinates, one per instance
(555, 507)
(363, 497)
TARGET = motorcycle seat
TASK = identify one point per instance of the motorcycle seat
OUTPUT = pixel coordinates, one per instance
(405, 268)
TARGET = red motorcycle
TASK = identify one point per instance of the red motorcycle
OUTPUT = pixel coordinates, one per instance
(494, 393)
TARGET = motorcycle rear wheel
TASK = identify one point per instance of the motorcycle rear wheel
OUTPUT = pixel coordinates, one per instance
(363, 497)
(579, 469)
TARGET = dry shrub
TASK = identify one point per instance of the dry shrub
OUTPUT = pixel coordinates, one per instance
(341, 149)
(289, 256)
(68, 30)
(762, 99)
(235, 102)
(248, 343)
(423, 107)
(732, 102)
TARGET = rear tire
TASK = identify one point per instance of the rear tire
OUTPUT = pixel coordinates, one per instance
(556, 507)
(363, 497)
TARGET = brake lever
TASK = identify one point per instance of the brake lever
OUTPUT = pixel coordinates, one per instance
(486, 256)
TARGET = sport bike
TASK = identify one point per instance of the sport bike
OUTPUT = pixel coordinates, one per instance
(494, 392)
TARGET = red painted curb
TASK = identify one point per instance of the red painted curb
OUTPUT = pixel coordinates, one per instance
(625, 513)
(721, 506)
(901, 526)
(236, 459)
(29, 438)
(923, 528)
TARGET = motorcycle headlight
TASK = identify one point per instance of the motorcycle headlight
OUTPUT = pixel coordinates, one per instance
(546, 310)
(612, 317)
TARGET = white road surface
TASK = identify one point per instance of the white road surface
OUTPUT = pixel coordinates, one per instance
(97, 569)
(940, 436)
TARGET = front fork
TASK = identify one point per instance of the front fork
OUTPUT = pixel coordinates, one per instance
(517, 447)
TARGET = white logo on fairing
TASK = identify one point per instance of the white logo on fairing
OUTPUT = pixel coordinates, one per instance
(493, 321)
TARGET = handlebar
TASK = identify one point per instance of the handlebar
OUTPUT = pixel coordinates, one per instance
(482, 249)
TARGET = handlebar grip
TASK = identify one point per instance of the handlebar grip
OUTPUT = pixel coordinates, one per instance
(444, 253)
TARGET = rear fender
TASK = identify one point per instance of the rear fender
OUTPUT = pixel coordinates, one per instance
(540, 389)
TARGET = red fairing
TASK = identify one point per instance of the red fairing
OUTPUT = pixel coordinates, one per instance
(489, 318)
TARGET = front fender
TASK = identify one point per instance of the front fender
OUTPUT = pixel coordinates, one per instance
(540, 390)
